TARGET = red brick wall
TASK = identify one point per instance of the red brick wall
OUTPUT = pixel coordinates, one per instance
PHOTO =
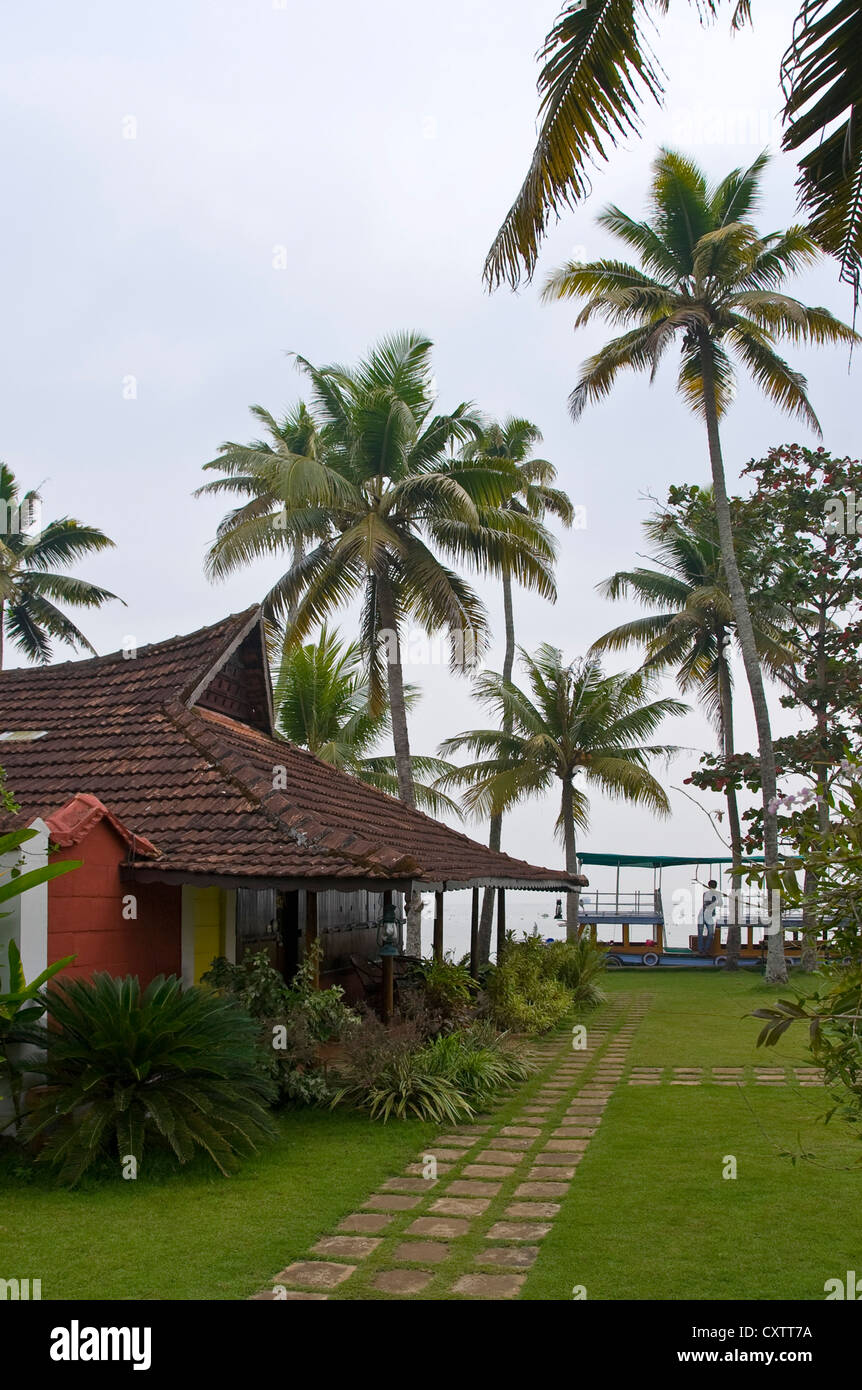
(85, 914)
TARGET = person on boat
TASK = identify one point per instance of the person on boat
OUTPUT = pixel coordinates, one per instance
(706, 917)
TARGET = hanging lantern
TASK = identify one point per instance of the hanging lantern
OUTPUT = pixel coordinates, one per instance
(389, 932)
(558, 911)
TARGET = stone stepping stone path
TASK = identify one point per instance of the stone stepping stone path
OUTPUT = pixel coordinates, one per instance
(726, 1076)
(500, 1183)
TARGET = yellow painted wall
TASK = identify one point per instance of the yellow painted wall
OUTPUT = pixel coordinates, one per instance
(209, 929)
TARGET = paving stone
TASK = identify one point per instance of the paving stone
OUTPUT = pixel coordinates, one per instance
(518, 1230)
(363, 1221)
(403, 1184)
(521, 1131)
(315, 1274)
(489, 1285)
(430, 1252)
(509, 1256)
(387, 1201)
(404, 1281)
(446, 1228)
(486, 1170)
(460, 1206)
(565, 1133)
(441, 1155)
(684, 1083)
(569, 1144)
(456, 1141)
(556, 1173)
(346, 1247)
(650, 1081)
(464, 1188)
(564, 1156)
(532, 1211)
(499, 1156)
(471, 1129)
(542, 1189)
(288, 1296)
(518, 1144)
(418, 1169)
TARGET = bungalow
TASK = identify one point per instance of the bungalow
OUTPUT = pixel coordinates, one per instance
(201, 832)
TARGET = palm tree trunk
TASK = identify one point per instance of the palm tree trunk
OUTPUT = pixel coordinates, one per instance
(2, 625)
(495, 832)
(395, 681)
(725, 695)
(573, 897)
(821, 770)
(776, 966)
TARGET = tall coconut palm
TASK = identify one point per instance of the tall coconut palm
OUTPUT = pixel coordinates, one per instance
(574, 722)
(321, 703)
(690, 629)
(387, 503)
(598, 65)
(711, 283)
(257, 470)
(533, 494)
(30, 587)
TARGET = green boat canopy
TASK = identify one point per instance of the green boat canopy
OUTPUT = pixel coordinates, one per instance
(658, 861)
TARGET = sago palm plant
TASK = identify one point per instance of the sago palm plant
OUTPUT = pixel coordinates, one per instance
(126, 1069)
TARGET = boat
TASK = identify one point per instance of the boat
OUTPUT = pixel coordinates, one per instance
(632, 925)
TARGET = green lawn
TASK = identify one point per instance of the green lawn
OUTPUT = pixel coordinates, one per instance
(648, 1216)
(196, 1235)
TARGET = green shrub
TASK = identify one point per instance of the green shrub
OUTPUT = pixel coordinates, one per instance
(125, 1067)
(292, 1021)
(523, 996)
(476, 1061)
(577, 965)
(447, 987)
(396, 1072)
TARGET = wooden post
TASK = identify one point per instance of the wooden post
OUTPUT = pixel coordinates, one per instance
(388, 963)
(501, 923)
(438, 926)
(311, 934)
(474, 936)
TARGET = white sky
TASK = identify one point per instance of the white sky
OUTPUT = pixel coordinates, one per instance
(381, 146)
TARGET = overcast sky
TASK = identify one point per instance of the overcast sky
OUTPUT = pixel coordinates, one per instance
(161, 162)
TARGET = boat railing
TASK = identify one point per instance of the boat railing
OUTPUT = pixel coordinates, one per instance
(598, 904)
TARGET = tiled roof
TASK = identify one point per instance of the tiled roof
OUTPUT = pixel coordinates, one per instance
(140, 737)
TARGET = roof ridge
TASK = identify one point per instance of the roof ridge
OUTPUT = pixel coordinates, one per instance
(148, 650)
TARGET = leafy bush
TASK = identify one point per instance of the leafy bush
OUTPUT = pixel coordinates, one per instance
(124, 1067)
(523, 995)
(395, 1072)
(440, 993)
(577, 965)
(293, 1020)
(477, 1061)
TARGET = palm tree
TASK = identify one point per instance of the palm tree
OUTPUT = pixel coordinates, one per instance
(575, 721)
(386, 502)
(710, 282)
(533, 494)
(598, 65)
(321, 703)
(255, 470)
(30, 587)
(691, 628)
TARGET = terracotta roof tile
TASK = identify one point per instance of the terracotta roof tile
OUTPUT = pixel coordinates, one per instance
(197, 786)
